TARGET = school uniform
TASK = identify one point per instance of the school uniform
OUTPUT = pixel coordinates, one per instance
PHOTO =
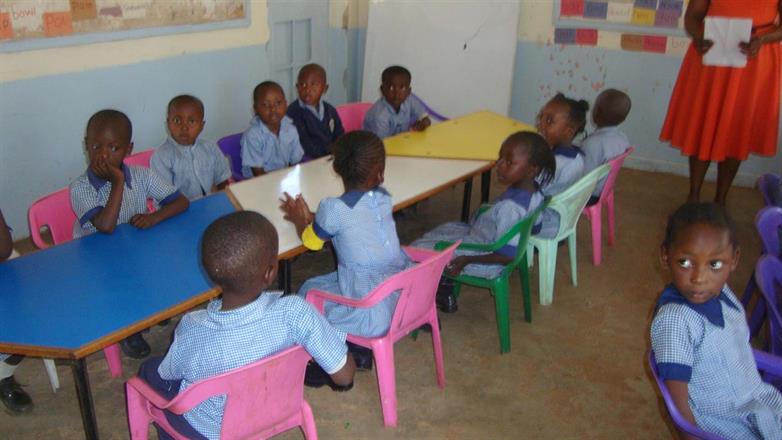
(570, 168)
(193, 169)
(90, 193)
(318, 127)
(4, 356)
(361, 228)
(263, 149)
(707, 346)
(212, 341)
(602, 145)
(384, 121)
(511, 207)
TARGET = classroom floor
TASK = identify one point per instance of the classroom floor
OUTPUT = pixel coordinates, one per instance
(577, 371)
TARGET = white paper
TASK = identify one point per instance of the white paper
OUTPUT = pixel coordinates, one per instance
(726, 33)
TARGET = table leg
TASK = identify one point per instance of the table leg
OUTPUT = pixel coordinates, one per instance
(284, 276)
(485, 186)
(83, 393)
(466, 201)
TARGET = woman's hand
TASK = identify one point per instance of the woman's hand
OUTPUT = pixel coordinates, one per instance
(751, 48)
(702, 45)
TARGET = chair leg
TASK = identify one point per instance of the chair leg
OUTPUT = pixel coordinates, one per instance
(138, 418)
(548, 264)
(51, 371)
(571, 246)
(113, 359)
(526, 294)
(457, 288)
(530, 255)
(308, 422)
(386, 380)
(596, 222)
(610, 211)
(500, 291)
(437, 347)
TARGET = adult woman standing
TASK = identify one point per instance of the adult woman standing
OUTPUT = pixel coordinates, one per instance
(723, 114)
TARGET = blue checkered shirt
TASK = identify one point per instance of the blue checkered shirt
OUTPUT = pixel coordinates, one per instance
(707, 346)
(384, 121)
(601, 146)
(210, 342)
(89, 194)
(263, 149)
(193, 169)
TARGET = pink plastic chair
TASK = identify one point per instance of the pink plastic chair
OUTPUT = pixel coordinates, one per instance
(55, 212)
(594, 213)
(262, 399)
(415, 307)
(352, 115)
(140, 159)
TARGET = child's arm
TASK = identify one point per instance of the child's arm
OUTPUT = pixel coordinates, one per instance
(680, 396)
(344, 376)
(253, 152)
(693, 24)
(144, 221)
(6, 244)
(457, 264)
(297, 212)
(171, 200)
(258, 171)
(106, 218)
(422, 123)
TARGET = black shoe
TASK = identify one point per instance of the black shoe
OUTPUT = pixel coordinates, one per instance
(445, 299)
(316, 377)
(361, 355)
(135, 346)
(15, 399)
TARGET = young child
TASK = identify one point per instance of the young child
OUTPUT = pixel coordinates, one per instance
(607, 141)
(700, 336)
(193, 165)
(316, 120)
(272, 141)
(248, 323)
(361, 227)
(525, 161)
(111, 193)
(559, 122)
(394, 112)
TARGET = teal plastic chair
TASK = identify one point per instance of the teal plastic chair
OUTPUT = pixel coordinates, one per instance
(568, 204)
(500, 286)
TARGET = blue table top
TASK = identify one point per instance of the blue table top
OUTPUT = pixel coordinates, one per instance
(76, 298)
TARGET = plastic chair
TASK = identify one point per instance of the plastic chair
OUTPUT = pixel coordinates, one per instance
(231, 146)
(768, 275)
(54, 211)
(771, 365)
(500, 285)
(262, 399)
(352, 115)
(768, 184)
(568, 204)
(415, 307)
(768, 222)
(593, 213)
(140, 159)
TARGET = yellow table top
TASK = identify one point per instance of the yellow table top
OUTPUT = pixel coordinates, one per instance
(476, 136)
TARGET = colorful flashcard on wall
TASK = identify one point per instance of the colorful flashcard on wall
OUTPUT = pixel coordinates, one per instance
(642, 13)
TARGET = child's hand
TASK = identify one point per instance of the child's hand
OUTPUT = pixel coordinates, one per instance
(456, 266)
(421, 124)
(103, 169)
(702, 45)
(296, 210)
(752, 47)
(144, 221)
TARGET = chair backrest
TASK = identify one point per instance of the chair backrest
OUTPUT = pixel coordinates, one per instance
(352, 115)
(768, 184)
(258, 396)
(523, 229)
(140, 159)
(570, 202)
(53, 211)
(432, 112)
(768, 222)
(768, 276)
(678, 419)
(231, 146)
(616, 165)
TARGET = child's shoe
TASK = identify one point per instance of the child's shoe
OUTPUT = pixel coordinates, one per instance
(361, 355)
(15, 399)
(316, 377)
(134, 346)
(445, 299)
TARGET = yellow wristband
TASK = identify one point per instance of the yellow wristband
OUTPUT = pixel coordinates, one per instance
(311, 240)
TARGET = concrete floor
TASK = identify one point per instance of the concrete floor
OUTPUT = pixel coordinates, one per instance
(577, 371)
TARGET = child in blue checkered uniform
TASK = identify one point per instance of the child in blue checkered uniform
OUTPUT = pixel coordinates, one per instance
(239, 254)
(700, 336)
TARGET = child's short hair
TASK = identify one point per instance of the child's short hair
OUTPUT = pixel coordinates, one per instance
(265, 85)
(113, 117)
(185, 99)
(315, 67)
(614, 106)
(237, 247)
(538, 151)
(578, 110)
(690, 214)
(355, 153)
(391, 71)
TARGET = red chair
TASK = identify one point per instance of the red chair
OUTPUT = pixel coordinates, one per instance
(593, 213)
(140, 159)
(415, 307)
(352, 115)
(262, 399)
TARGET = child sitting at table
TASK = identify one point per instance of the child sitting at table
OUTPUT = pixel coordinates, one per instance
(559, 122)
(607, 141)
(272, 141)
(316, 120)
(396, 112)
(361, 227)
(192, 164)
(248, 323)
(111, 193)
(700, 336)
(525, 162)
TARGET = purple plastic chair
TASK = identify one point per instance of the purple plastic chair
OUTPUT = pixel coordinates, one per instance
(768, 184)
(768, 276)
(231, 147)
(772, 365)
(768, 222)
(262, 399)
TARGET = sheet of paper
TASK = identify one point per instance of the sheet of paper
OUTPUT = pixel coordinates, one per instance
(726, 33)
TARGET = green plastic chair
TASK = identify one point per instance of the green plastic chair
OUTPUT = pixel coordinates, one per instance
(568, 204)
(500, 286)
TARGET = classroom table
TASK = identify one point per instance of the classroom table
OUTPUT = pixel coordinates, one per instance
(74, 299)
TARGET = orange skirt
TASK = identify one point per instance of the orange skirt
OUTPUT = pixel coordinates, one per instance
(725, 112)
